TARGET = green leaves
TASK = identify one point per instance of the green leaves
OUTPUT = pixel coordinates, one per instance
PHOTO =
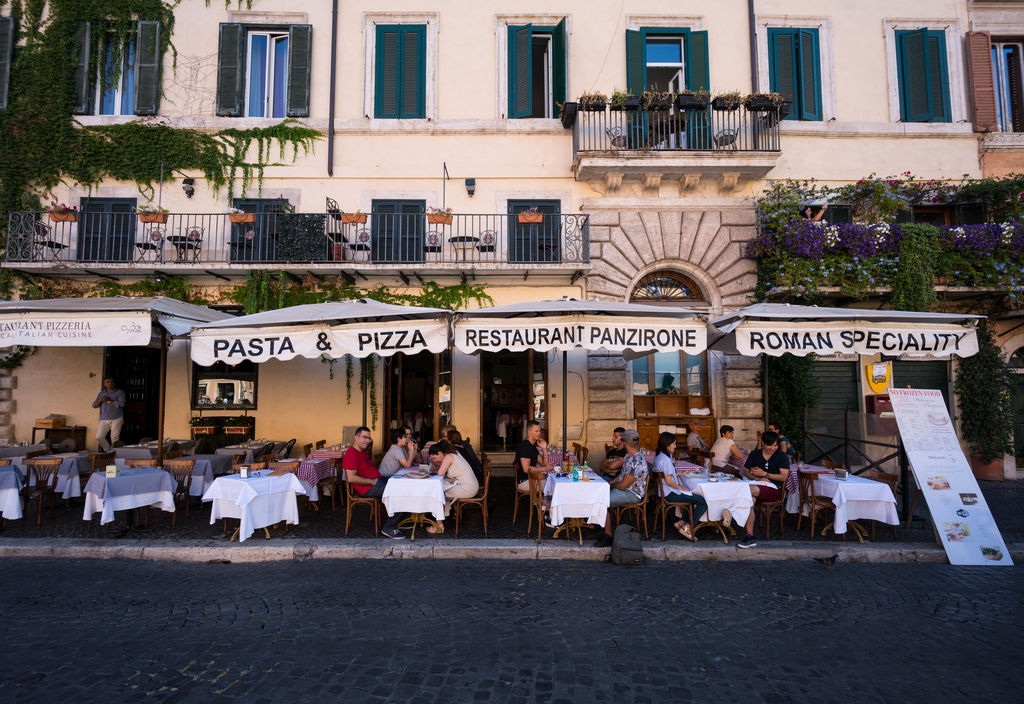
(984, 388)
(913, 287)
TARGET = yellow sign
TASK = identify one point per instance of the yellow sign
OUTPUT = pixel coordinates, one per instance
(878, 375)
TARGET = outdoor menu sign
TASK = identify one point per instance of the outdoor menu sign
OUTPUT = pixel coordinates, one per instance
(776, 338)
(232, 345)
(94, 329)
(613, 333)
(959, 510)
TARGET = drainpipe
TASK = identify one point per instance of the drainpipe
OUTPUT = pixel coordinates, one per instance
(753, 46)
(334, 68)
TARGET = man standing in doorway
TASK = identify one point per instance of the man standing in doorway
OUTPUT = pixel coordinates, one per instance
(110, 401)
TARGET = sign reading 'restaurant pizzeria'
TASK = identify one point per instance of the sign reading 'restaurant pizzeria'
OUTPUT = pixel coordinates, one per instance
(615, 334)
(824, 338)
(75, 329)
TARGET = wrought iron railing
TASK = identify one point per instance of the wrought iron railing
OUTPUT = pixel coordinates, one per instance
(708, 129)
(473, 240)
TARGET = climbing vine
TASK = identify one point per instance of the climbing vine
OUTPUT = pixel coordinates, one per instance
(16, 357)
(791, 387)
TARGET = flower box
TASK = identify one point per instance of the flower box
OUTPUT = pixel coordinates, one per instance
(238, 429)
(353, 218)
(594, 107)
(239, 218)
(531, 218)
(723, 105)
(762, 103)
(632, 102)
(688, 101)
(659, 102)
(204, 430)
(67, 216)
(439, 219)
(153, 217)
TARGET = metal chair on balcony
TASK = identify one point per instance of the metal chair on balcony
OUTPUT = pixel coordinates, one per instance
(432, 242)
(616, 137)
(191, 241)
(152, 247)
(487, 240)
(726, 138)
(44, 242)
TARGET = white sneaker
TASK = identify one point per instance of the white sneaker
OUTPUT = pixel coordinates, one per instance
(726, 518)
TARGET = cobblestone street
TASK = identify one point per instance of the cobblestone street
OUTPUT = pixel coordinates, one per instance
(473, 630)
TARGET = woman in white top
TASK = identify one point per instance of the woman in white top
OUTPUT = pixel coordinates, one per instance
(459, 480)
(673, 490)
(725, 450)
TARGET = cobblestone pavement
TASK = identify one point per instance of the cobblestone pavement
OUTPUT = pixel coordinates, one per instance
(1005, 499)
(474, 630)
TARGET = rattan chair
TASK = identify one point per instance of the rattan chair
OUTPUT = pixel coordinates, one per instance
(640, 509)
(45, 485)
(810, 499)
(479, 500)
(136, 463)
(181, 471)
(893, 480)
(663, 505)
(538, 503)
(354, 499)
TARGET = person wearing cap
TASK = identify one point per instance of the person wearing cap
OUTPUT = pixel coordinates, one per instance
(694, 441)
(629, 486)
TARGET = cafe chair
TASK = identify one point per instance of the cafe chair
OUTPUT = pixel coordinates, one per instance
(354, 499)
(181, 471)
(238, 459)
(893, 480)
(44, 487)
(97, 463)
(5, 462)
(829, 464)
(813, 502)
(640, 509)
(286, 451)
(291, 467)
(36, 453)
(479, 500)
(135, 463)
(307, 450)
(663, 505)
(143, 441)
(520, 495)
(330, 484)
(117, 443)
(539, 504)
(261, 455)
(268, 457)
(237, 467)
(764, 510)
(320, 444)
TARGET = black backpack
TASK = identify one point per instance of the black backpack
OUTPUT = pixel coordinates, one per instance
(626, 546)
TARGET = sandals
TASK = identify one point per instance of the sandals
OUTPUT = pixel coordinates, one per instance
(436, 531)
(686, 531)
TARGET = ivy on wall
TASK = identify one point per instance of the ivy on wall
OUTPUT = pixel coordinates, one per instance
(791, 387)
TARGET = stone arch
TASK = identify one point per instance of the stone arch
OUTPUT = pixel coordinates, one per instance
(708, 288)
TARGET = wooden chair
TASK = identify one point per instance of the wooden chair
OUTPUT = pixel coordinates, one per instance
(810, 499)
(174, 454)
(538, 503)
(640, 509)
(320, 444)
(291, 467)
(268, 457)
(765, 508)
(5, 462)
(135, 464)
(893, 480)
(577, 450)
(37, 453)
(181, 471)
(354, 499)
(829, 464)
(330, 484)
(662, 506)
(45, 485)
(307, 450)
(519, 495)
(236, 468)
(238, 459)
(479, 500)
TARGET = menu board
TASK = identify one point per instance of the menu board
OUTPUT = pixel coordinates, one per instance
(959, 510)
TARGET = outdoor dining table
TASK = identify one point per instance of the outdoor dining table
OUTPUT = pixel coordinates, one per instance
(857, 497)
(11, 481)
(417, 496)
(202, 475)
(147, 451)
(221, 464)
(261, 500)
(72, 465)
(575, 504)
(793, 483)
(726, 492)
(134, 488)
(20, 450)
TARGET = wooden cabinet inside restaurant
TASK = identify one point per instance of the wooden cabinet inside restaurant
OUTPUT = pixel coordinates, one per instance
(652, 412)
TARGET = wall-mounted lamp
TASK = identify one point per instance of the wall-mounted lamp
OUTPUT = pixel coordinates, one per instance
(470, 186)
(188, 185)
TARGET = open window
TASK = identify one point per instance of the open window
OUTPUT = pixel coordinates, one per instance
(536, 70)
(127, 80)
(264, 71)
(667, 59)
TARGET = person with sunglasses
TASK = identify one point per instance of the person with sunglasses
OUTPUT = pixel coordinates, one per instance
(765, 464)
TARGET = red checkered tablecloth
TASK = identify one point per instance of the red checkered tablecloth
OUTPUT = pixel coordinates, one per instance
(326, 454)
(314, 471)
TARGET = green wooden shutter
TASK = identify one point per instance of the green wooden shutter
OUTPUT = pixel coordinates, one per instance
(782, 65)
(414, 74)
(231, 70)
(914, 72)
(7, 40)
(810, 76)
(520, 69)
(300, 60)
(147, 68)
(83, 82)
(559, 59)
(636, 63)
(698, 70)
(937, 78)
(386, 93)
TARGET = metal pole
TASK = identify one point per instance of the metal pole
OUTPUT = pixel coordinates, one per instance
(362, 385)
(163, 399)
(160, 192)
(565, 405)
(334, 68)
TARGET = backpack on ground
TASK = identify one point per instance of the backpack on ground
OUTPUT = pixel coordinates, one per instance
(626, 546)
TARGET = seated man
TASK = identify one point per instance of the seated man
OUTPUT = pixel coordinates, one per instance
(629, 486)
(768, 463)
(694, 441)
(366, 480)
(612, 462)
(784, 444)
(403, 453)
(531, 456)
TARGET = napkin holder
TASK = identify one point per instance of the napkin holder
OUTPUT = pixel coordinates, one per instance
(841, 474)
(113, 471)
(243, 471)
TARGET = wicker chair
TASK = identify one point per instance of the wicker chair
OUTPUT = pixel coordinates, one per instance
(479, 500)
(662, 506)
(45, 486)
(538, 503)
(640, 509)
(893, 481)
(810, 499)
(354, 499)
(181, 471)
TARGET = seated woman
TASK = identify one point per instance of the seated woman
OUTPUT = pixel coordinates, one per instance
(726, 451)
(673, 490)
(459, 480)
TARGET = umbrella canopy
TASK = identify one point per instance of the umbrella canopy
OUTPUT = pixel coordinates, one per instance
(358, 328)
(777, 328)
(97, 322)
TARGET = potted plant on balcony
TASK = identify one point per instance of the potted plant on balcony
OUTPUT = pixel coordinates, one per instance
(567, 113)
(152, 213)
(656, 99)
(763, 102)
(693, 100)
(622, 100)
(62, 212)
(356, 218)
(727, 102)
(203, 426)
(984, 388)
(238, 216)
(439, 216)
(531, 216)
(593, 102)
(240, 425)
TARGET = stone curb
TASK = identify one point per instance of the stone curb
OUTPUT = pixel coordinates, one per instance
(256, 550)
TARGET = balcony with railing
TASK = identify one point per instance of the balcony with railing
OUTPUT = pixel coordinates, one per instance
(675, 144)
(333, 241)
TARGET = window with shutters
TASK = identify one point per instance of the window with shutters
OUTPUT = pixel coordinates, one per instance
(116, 94)
(536, 70)
(666, 59)
(921, 67)
(1008, 72)
(264, 71)
(794, 70)
(127, 79)
(400, 88)
(106, 229)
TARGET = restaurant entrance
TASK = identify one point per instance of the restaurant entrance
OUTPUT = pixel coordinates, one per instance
(513, 390)
(136, 370)
(417, 393)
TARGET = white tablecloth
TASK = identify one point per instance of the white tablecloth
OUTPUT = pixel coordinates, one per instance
(579, 499)
(414, 495)
(10, 498)
(857, 497)
(202, 476)
(72, 464)
(135, 488)
(721, 495)
(257, 502)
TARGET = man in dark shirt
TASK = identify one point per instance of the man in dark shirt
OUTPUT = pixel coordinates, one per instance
(766, 464)
(366, 479)
(531, 455)
(613, 460)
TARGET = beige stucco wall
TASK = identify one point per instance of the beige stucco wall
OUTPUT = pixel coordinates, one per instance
(58, 380)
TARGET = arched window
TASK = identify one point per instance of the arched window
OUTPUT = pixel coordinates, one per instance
(1017, 360)
(669, 371)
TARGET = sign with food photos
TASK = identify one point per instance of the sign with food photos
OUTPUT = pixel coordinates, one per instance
(959, 511)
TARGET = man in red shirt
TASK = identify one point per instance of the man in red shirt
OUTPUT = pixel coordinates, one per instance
(365, 478)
